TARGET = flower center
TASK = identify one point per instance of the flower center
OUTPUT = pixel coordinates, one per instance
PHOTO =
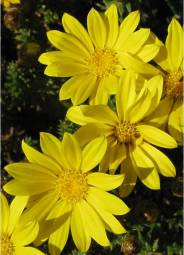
(72, 186)
(126, 132)
(103, 62)
(6, 245)
(174, 84)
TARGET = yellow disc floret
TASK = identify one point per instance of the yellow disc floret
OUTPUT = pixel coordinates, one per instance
(6, 245)
(72, 186)
(174, 84)
(126, 132)
(103, 62)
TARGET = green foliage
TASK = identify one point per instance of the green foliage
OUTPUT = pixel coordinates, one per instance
(23, 35)
(48, 15)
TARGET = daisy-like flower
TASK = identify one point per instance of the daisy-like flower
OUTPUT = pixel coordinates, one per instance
(15, 233)
(61, 187)
(130, 138)
(170, 59)
(95, 58)
(9, 3)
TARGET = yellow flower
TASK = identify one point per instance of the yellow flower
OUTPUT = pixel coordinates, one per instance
(129, 135)
(95, 58)
(15, 233)
(61, 187)
(170, 59)
(8, 3)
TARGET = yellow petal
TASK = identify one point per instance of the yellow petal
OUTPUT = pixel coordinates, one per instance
(109, 84)
(176, 122)
(94, 226)
(102, 94)
(85, 90)
(148, 52)
(141, 159)
(96, 28)
(50, 57)
(136, 40)
(117, 155)
(104, 164)
(78, 88)
(16, 208)
(75, 114)
(140, 108)
(129, 61)
(90, 131)
(66, 67)
(15, 1)
(45, 230)
(35, 156)
(74, 27)
(161, 161)
(126, 93)
(59, 209)
(162, 59)
(4, 215)
(71, 150)
(113, 27)
(58, 239)
(105, 181)
(101, 113)
(22, 188)
(51, 146)
(127, 27)
(41, 208)
(130, 179)
(155, 86)
(159, 117)
(78, 229)
(27, 251)
(60, 213)
(156, 136)
(26, 233)
(112, 224)
(93, 153)
(174, 44)
(30, 172)
(67, 43)
(149, 178)
(107, 201)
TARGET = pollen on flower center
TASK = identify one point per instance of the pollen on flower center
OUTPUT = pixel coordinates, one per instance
(174, 84)
(103, 62)
(72, 186)
(6, 245)
(126, 132)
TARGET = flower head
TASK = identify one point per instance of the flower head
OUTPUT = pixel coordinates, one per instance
(95, 58)
(130, 136)
(15, 233)
(170, 60)
(61, 188)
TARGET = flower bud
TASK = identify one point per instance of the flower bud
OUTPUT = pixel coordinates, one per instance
(130, 245)
(28, 53)
(12, 18)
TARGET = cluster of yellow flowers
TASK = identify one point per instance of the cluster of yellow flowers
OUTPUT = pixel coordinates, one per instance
(65, 187)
